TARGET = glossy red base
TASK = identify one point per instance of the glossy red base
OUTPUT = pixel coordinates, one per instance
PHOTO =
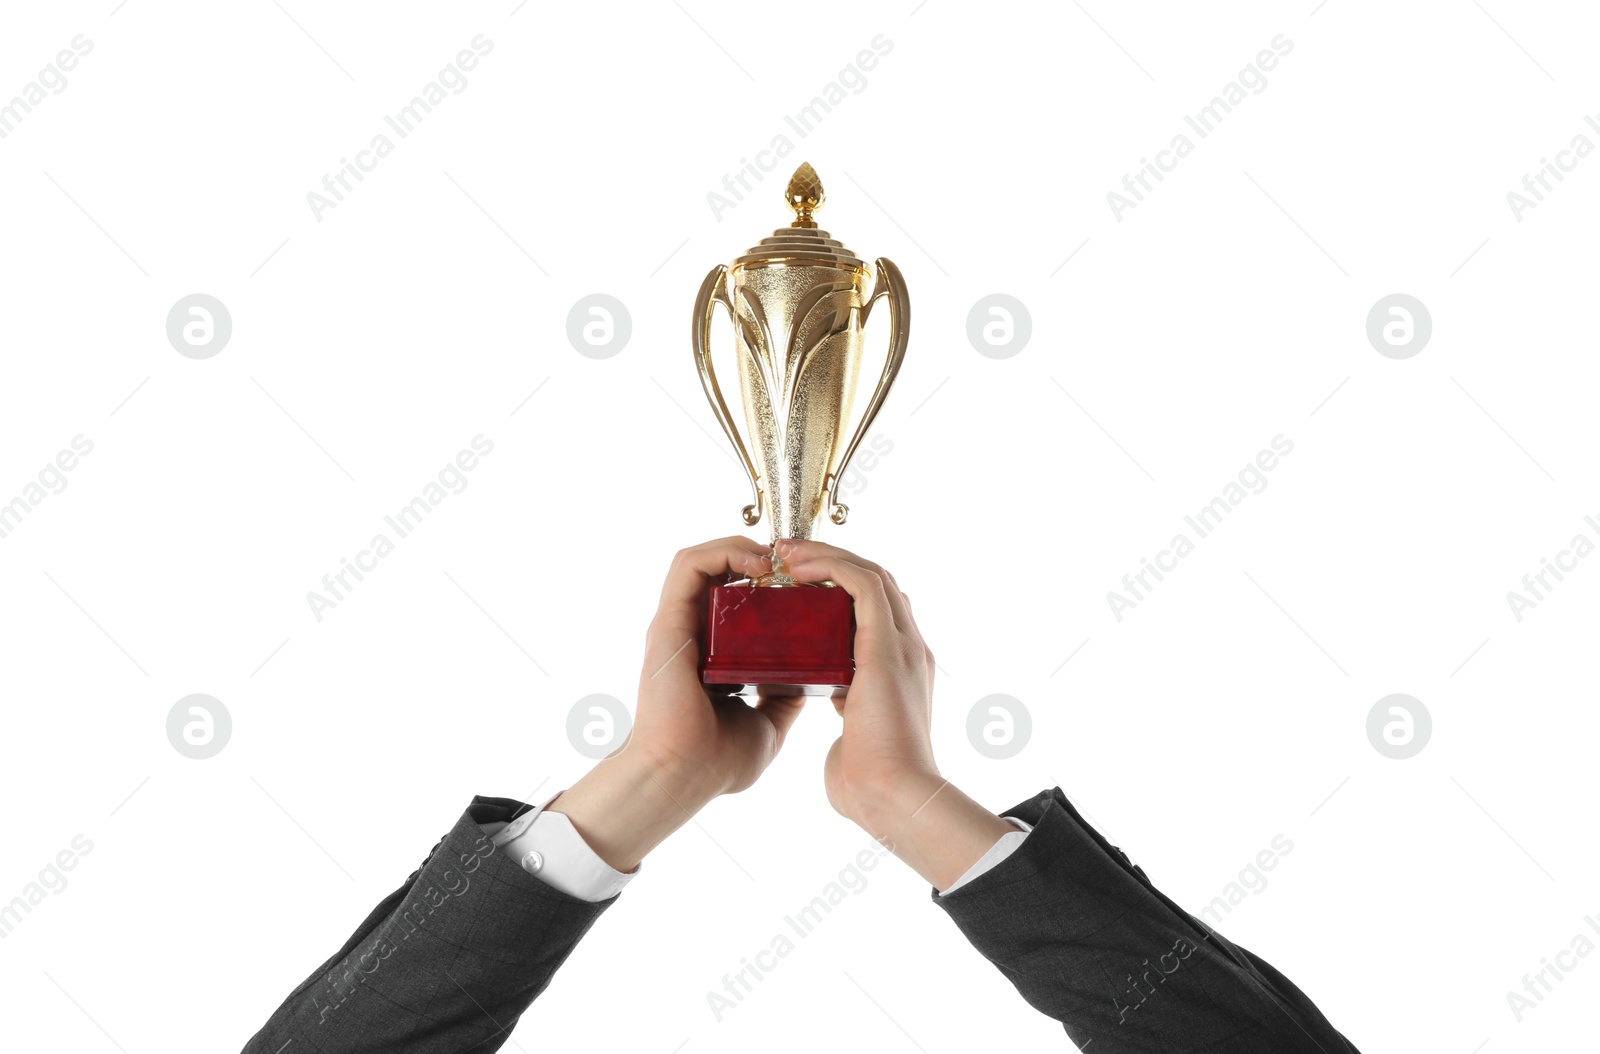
(779, 639)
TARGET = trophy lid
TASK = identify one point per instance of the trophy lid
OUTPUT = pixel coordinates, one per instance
(802, 241)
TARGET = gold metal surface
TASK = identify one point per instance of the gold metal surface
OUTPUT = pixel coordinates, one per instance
(798, 301)
(804, 194)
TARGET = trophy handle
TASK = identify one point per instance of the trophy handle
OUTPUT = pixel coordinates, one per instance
(714, 290)
(887, 284)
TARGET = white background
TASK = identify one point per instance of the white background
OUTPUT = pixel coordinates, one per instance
(372, 344)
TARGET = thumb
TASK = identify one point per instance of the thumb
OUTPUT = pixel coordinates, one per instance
(781, 710)
(832, 770)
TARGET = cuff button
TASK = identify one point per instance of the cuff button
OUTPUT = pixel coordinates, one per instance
(532, 861)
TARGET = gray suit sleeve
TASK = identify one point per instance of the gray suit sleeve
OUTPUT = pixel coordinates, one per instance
(446, 963)
(1088, 940)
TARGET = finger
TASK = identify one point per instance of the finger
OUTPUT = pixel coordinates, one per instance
(692, 569)
(902, 605)
(781, 710)
(682, 607)
(799, 551)
(933, 664)
(874, 617)
(907, 622)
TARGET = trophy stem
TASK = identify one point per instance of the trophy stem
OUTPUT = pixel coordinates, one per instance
(779, 575)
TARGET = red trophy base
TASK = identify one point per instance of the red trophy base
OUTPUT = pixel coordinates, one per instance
(779, 640)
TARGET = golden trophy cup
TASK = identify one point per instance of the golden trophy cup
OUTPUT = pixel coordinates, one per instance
(799, 302)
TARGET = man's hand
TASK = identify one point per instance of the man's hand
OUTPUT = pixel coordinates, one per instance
(718, 745)
(881, 772)
(685, 747)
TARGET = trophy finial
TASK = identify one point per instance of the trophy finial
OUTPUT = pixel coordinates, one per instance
(804, 195)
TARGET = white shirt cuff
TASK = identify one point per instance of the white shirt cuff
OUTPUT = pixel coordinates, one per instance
(547, 846)
(1004, 847)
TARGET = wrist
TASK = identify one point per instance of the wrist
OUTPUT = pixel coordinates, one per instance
(627, 805)
(883, 799)
(932, 825)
